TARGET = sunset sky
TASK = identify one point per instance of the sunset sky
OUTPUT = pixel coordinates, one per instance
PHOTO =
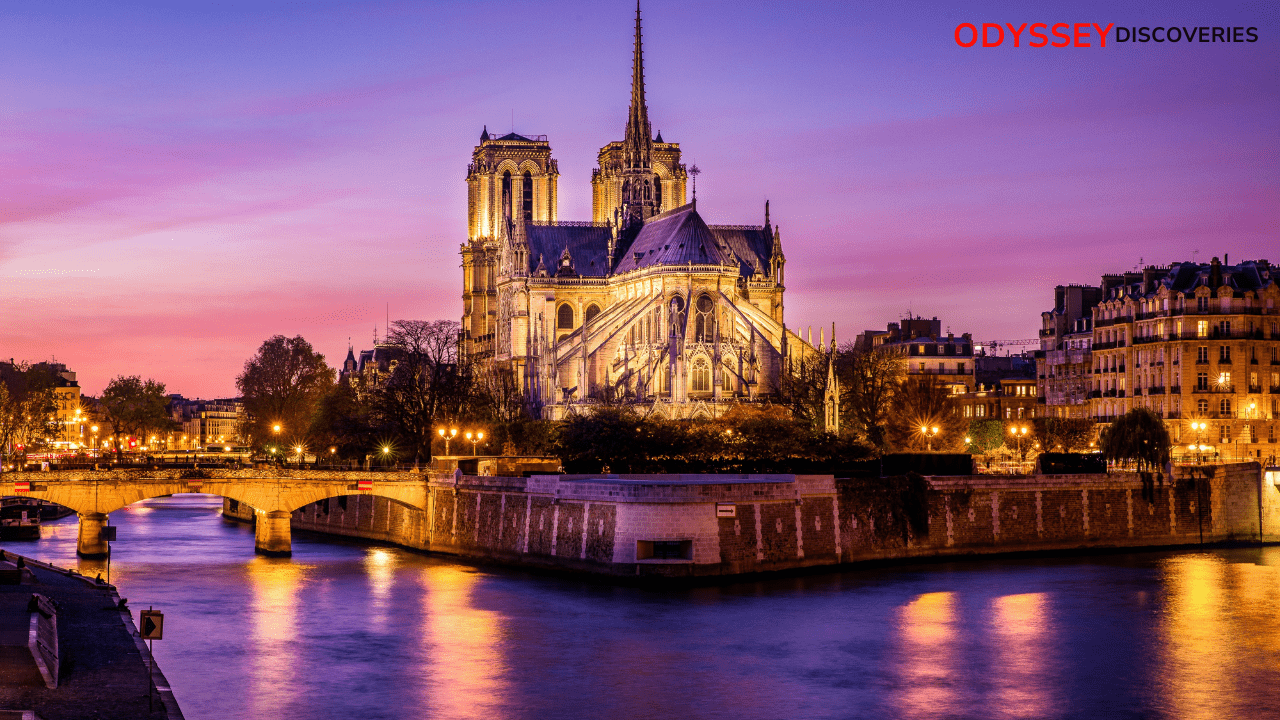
(180, 181)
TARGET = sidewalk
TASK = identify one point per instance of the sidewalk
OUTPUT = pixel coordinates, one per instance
(103, 661)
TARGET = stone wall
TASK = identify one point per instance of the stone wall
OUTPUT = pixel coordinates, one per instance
(724, 525)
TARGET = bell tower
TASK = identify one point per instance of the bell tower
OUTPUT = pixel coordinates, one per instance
(642, 175)
(511, 182)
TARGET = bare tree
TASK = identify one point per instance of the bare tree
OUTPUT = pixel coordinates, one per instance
(924, 416)
(426, 384)
(870, 380)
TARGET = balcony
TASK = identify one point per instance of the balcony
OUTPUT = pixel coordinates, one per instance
(1155, 391)
(1175, 390)
(1095, 394)
(1120, 369)
(1109, 393)
(1275, 390)
(1255, 388)
(1215, 389)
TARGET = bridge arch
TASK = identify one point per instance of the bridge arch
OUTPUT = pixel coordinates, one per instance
(273, 495)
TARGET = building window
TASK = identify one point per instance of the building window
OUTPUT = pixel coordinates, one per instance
(526, 201)
(564, 317)
(703, 308)
(1202, 381)
(701, 375)
(1224, 406)
(1251, 431)
(1202, 354)
(1224, 433)
(1224, 353)
(1202, 406)
(592, 311)
(1202, 304)
(1202, 328)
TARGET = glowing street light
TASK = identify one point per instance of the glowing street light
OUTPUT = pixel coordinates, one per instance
(453, 432)
(474, 438)
(929, 434)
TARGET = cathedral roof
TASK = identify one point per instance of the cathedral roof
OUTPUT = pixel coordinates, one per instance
(588, 244)
(675, 237)
(753, 245)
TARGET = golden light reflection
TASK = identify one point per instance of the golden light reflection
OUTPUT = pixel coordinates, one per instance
(1221, 630)
(380, 566)
(461, 646)
(273, 630)
(1021, 683)
(1198, 639)
(927, 630)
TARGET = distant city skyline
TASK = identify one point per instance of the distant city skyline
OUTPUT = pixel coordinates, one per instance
(182, 183)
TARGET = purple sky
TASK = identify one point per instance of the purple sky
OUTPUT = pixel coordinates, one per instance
(179, 181)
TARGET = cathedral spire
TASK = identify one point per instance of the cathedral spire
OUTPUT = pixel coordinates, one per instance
(639, 140)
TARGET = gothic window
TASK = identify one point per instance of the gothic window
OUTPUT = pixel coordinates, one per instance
(592, 311)
(702, 319)
(527, 200)
(506, 194)
(564, 317)
(677, 315)
(701, 379)
(657, 193)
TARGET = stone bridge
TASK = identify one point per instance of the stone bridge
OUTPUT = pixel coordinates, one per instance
(272, 493)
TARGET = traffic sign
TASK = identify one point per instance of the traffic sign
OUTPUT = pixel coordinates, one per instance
(364, 484)
(22, 486)
(152, 627)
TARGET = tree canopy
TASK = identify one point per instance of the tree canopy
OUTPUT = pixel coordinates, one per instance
(135, 407)
(282, 384)
(1139, 437)
(27, 407)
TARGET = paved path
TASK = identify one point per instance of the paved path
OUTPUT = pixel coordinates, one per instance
(104, 665)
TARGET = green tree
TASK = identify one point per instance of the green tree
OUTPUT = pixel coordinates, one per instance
(135, 407)
(282, 384)
(616, 438)
(1064, 434)
(28, 405)
(869, 382)
(985, 436)
(1138, 437)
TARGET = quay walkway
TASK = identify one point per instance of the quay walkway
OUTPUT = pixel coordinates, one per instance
(103, 662)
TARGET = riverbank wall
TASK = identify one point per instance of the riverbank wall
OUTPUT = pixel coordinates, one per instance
(103, 667)
(708, 525)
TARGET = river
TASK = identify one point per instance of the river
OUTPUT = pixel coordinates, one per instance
(344, 630)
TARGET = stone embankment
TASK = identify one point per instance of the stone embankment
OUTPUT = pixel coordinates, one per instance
(709, 525)
(102, 665)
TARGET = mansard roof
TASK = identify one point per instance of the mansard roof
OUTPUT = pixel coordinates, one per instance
(587, 243)
(675, 237)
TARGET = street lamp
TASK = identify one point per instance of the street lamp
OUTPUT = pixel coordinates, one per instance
(1199, 428)
(475, 438)
(929, 434)
(453, 432)
(1019, 433)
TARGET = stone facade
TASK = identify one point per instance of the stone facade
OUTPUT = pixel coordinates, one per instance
(1194, 342)
(646, 302)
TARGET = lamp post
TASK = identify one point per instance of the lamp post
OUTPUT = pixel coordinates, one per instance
(95, 440)
(474, 437)
(1019, 433)
(1199, 428)
(453, 432)
(929, 434)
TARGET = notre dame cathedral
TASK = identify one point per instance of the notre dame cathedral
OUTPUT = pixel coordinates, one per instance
(646, 303)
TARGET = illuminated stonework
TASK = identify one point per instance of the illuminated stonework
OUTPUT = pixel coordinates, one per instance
(646, 303)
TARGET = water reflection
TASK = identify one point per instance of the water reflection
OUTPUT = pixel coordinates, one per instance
(273, 631)
(927, 638)
(1220, 635)
(380, 566)
(464, 663)
(1021, 683)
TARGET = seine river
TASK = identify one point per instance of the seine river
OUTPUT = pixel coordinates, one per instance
(351, 631)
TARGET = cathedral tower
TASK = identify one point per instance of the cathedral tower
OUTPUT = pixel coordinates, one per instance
(642, 175)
